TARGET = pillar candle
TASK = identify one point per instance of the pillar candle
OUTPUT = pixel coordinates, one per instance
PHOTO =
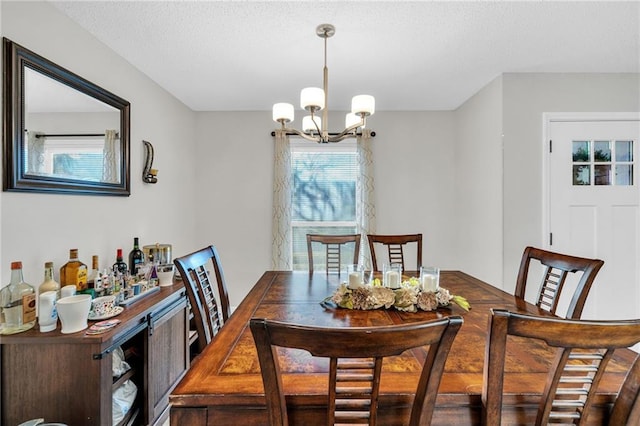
(355, 280)
(429, 283)
(393, 279)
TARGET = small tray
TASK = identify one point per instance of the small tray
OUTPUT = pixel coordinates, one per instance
(137, 297)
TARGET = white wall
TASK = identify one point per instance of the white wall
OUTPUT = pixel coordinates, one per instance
(525, 98)
(478, 184)
(413, 154)
(35, 228)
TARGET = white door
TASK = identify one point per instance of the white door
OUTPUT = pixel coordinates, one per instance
(593, 208)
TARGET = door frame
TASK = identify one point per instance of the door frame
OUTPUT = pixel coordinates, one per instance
(551, 117)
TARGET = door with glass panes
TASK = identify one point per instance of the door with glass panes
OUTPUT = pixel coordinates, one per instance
(593, 208)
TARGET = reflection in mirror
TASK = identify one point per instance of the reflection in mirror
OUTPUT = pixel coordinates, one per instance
(92, 154)
(67, 135)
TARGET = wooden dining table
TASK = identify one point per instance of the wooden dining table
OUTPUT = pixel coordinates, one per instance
(224, 385)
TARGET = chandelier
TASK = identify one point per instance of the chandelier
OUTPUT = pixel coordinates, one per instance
(314, 99)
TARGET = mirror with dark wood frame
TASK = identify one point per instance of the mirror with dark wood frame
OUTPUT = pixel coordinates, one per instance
(61, 133)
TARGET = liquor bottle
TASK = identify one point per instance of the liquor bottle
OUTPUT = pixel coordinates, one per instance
(120, 266)
(18, 303)
(106, 281)
(74, 272)
(136, 257)
(94, 273)
(49, 284)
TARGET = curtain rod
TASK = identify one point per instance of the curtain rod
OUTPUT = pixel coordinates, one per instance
(71, 135)
(273, 134)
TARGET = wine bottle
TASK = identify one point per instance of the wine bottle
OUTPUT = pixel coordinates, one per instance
(17, 303)
(120, 266)
(136, 257)
(74, 272)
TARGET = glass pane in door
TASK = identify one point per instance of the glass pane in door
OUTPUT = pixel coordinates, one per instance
(624, 150)
(601, 151)
(581, 151)
(602, 174)
(581, 175)
(624, 174)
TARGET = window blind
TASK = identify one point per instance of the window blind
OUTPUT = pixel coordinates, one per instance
(323, 196)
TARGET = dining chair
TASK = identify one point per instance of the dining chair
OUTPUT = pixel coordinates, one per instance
(395, 248)
(355, 364)
(209, 316)
(583, 349)
(557, 266)
(333, 245)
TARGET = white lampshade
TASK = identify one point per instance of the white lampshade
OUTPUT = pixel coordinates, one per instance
(352, 119)
(283, 111)
(363, 104)
(308, 126)
(312, 97)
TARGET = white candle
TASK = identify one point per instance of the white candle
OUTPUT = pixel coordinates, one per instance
(355, 280)
(429, 283)
(393, 279)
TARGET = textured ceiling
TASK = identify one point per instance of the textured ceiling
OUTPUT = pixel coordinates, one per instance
(424, 55)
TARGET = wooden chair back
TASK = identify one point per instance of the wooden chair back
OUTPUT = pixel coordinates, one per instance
(394, 245)
(333, 245)
(209, 316)
(583, 350)
(355, 364)
(557, 267)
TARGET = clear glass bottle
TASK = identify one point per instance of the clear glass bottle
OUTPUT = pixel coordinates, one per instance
(49, 284)
(107, 282)
(74, 272)
(18, 303)
(136, 257)
(94, 274)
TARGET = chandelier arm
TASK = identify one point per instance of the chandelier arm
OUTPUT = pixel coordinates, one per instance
(349, 132)
(320, 133)
(297, 132)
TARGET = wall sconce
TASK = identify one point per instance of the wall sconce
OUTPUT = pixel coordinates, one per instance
(148, 173)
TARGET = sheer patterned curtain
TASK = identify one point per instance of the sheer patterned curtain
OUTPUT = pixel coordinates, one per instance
(110, 170)
(35, 150)
(365, 205)
(281, 241)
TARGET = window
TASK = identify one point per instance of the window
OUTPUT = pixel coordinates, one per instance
(603, 162)
(323, 194)
(71, 159)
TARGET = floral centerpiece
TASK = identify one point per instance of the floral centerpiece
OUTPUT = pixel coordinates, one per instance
(409, 297)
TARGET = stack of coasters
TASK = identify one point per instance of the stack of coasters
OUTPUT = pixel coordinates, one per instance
(103, 326)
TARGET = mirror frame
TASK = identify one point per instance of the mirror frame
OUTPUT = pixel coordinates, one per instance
(14, 59)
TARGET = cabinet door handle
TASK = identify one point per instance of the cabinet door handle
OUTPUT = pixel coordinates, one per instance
(166, 312)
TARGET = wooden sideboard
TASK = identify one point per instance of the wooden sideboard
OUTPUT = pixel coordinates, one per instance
(68, 378)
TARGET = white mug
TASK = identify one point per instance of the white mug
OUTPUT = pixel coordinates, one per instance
(68, 290)
(48, 314)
